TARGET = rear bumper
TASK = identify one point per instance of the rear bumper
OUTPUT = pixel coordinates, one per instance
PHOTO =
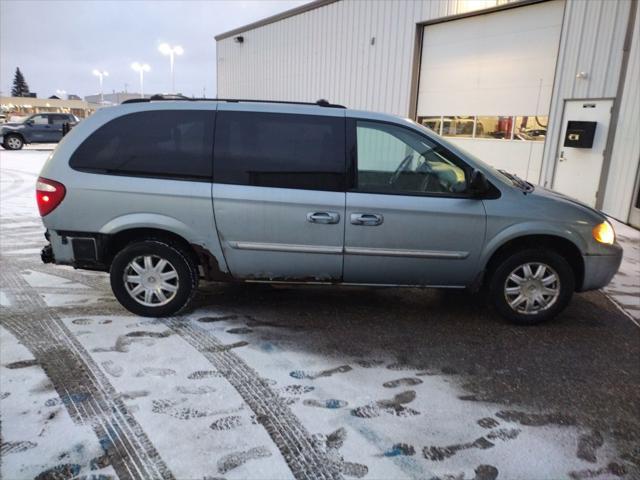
(77, 249)
(600, 269)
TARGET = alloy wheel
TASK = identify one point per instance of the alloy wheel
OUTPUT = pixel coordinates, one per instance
(151, 280)
(532, 288)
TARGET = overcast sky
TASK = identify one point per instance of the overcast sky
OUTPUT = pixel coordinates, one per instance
(57, 44)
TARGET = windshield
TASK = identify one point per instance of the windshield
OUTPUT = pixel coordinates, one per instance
(500, 174)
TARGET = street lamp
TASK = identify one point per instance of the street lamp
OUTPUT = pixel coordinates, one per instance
(141, 68)
(167, 49)
(100, 74)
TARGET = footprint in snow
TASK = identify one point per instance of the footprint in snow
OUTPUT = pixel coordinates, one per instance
(226, 423)
(112, 369)
(22, 364)
(488, 422)
(331, 403)
(536, 419)
(302, 374)
(239, 330)
(394, 406)
(402, 382)
(588, 445)
(16, 447)
(63, 471)
(201, 390)
(296, 389)
(199, 374)
(400, 449)
(234, 460)
(437, 454)
(225, 348)
(174, 409)
(155, 372)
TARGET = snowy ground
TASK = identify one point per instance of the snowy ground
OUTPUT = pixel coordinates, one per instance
(264, 382)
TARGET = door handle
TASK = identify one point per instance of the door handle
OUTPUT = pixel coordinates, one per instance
(367, 219)
(323, 217)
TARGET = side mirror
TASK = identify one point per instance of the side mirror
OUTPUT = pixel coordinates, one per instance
(29, 122)
(478, 184)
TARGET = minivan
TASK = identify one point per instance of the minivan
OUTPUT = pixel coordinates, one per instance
(160, 193)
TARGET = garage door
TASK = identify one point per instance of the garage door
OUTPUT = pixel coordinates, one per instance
(486, 83)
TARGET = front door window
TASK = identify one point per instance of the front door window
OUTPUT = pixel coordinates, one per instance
(393, 159)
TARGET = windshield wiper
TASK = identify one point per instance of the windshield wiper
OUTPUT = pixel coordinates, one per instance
(520, 183)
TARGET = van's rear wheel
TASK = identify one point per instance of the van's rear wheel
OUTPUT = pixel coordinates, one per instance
(531, 286)
(153, 278)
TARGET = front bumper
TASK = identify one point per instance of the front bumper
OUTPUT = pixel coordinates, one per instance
(600, 269)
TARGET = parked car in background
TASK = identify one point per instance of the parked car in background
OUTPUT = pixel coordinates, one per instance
(160, 193)
(38, 128)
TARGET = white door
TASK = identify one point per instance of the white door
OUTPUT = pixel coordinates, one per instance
(493, 72)
(578, 169)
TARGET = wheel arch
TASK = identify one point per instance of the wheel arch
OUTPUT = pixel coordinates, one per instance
(17, 134)
(120, 234)
(557, 243)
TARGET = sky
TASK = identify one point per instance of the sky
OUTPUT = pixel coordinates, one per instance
(58, 43)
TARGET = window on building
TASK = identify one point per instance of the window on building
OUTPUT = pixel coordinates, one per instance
(531, 128)
(164, 143)
(280, 150)
(494, 127)
(457, 126)
(392, 159)
(432, 123)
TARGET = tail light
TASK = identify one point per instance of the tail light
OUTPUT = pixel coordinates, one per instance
(49, 194)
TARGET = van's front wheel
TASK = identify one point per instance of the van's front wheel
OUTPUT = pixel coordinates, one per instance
(153, 278)
(531, 286)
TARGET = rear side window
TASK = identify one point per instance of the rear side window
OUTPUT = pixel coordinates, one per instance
(280, 150)
(162, 143)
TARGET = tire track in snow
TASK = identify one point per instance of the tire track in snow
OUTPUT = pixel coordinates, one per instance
(83, 388)
(302, 455)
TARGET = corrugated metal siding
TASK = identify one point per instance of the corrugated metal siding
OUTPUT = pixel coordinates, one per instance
(592, 41)
(625, 156)
(327, 53)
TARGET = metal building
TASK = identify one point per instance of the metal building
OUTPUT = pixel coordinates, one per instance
(547, 89)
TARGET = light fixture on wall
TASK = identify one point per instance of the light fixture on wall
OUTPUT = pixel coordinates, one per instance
(582, 75)
(239, 39)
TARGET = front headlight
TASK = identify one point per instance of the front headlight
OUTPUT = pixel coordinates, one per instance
(603, 233)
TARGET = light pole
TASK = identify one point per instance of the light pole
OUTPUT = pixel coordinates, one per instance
(101, 74)
(141, 68)
(167, 49)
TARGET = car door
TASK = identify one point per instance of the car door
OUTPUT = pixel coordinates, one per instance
(410, 220)
(278, 191)
(38, 129)
(57, 122)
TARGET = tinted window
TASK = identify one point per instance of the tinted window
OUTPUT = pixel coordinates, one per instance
(279, 150)
(59, 119)
(172, 143)
(392, 159)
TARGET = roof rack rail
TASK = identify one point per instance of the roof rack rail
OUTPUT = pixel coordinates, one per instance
(320, 103)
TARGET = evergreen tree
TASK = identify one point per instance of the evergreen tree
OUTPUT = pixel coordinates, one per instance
(20, 87)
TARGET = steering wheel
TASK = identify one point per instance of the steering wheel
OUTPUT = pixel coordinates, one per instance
(402, 167)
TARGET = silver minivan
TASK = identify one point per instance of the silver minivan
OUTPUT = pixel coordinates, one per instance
(161, 193)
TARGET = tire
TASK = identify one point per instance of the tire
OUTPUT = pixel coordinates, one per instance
(177, 285)
(13, 142)
(533, 299)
